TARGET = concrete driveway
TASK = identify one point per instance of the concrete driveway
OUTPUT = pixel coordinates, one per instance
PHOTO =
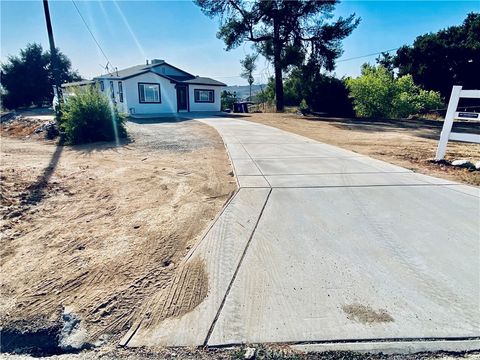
(324, 248)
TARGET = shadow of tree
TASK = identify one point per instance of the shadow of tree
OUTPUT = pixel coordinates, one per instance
(429, 129)
(101, 146)
(159, 120)
(37, 189)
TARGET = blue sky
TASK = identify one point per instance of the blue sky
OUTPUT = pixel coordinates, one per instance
(177, 31)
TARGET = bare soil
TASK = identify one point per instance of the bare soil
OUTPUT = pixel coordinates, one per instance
(262, 352)
(99, 230)
(408, 143)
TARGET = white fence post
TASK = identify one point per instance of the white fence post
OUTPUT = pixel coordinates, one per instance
(451, 115)
(448, 122)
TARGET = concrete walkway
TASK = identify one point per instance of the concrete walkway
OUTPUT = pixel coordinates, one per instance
(328, 249)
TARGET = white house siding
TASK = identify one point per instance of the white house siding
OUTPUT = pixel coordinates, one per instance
(121, 106)
(215, 106)
(168, 95)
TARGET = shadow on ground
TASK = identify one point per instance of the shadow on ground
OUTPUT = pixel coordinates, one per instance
(101, 146)
(36, 191)
(428, 129)
(159, 120)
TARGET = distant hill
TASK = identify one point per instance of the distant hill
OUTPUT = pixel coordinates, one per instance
(243, 91)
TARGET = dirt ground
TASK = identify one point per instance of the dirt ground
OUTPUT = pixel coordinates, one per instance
(92, 233)
(408, 143)
(262, 352)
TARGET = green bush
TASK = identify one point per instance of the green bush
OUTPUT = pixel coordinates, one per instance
(322, 93)
(377, 93)
(88, 116)
(228, 99)
(303, 107)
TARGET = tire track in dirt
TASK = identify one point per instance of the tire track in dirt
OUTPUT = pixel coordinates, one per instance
(114, 245)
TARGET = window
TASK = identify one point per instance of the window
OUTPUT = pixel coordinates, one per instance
(149, 93)
(120, 91)
(112, 92)
(102, 86)
(204, 96)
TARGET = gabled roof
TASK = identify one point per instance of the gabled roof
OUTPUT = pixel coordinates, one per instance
(204, 81)
(128, 72)
(141, 69)
(136, 70)
(185, 75)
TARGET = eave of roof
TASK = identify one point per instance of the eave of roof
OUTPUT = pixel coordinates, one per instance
(204, 81)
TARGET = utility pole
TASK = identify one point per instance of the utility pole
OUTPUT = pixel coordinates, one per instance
(53, 52)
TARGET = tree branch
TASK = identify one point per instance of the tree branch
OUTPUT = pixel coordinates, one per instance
(260, 38)
(246, 19)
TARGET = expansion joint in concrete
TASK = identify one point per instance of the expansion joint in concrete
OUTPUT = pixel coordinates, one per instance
(212, 327)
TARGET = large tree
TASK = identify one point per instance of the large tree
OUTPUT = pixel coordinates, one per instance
(28, 78)
(437, 61)
(286, 32)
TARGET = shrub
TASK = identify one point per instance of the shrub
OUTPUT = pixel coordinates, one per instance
(88, 116)
(228, 99)
(323, 93)
(372, 92)
(377, 93)
(303, 107)
(410, 99)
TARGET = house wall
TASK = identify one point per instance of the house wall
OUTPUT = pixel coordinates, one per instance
(167, 91)
(215, 106)
(168, 95)
(121, 106)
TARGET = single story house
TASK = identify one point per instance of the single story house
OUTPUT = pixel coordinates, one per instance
(156, 88)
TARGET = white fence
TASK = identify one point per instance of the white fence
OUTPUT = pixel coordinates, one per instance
(453, 114)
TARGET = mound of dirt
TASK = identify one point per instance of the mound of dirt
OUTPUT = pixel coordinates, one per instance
(27, 124)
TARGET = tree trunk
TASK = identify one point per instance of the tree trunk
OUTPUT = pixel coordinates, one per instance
(277, 66)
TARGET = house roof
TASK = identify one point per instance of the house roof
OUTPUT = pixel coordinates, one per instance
(204, 81)
(142, 69)
(128, 72)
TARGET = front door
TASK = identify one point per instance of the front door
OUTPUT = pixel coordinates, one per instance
(182, 98)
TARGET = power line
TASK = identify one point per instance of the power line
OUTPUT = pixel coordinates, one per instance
(234, 76)
(342, 60)
(368, 55)
(91, 33)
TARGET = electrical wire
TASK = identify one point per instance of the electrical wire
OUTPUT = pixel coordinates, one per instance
(368, 55)
(341, 60)
(91, 33)
(222, 77)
